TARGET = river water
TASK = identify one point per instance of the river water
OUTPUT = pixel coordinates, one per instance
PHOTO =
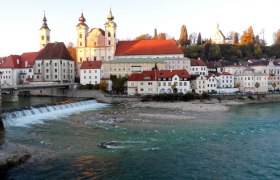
(243, 143)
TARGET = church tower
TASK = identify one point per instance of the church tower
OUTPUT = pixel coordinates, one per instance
(44, 33)
(82, 32)
(110, 32)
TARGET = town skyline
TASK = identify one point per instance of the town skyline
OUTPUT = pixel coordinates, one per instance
(21, 30)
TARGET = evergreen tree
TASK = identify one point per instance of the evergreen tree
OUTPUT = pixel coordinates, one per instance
(155, 34)
(199, 40)
(236, 39)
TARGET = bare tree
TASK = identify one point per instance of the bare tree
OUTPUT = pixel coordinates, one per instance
(193, 37)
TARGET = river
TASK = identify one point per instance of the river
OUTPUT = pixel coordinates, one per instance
(240, 144)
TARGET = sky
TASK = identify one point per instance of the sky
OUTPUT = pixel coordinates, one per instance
(22, 19)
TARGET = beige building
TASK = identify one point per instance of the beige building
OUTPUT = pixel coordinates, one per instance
(127, 66)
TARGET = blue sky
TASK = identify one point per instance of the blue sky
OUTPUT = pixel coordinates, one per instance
(21, 19)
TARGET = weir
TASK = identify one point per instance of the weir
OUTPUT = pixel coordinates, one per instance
(38, 114)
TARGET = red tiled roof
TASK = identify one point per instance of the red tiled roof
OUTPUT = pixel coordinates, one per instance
(16, 61)
(152, 75)
(224, 74)
(30, 58)
(13, 61)
(55, 50)
(197, 62)
(91, 65)
(147, 47)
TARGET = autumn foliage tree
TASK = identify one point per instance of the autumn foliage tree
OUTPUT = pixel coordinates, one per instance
(72, 50)
(276, 37)
(248, 37)
(183, 40)
(143, 37)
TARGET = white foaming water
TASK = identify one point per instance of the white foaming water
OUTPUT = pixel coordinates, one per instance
(26, 117)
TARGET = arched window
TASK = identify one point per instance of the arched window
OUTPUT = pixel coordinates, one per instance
(81, 36)
(109, 34)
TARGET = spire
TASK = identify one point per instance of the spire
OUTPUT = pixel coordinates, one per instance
(45, 25)
(110, 16)
(82, 19)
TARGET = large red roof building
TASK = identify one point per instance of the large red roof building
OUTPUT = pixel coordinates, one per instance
(148, 48)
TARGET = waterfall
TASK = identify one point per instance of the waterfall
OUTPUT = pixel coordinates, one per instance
(36, 115)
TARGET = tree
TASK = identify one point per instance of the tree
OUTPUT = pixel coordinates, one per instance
(162, 36)
(276, 37)
(214, 52)
(143, 37)
(183, 40)
(248, 37)
(236, 39)
(199, 40)
(103, 85)
(118, 84)
(155, 34)
(273, 85)
(72, 50)
(193, 37)
(257, 50)
(257, 85)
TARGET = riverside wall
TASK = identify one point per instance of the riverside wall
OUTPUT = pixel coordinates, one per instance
(95, 94)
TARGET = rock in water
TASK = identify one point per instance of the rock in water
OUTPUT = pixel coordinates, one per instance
(12, 155)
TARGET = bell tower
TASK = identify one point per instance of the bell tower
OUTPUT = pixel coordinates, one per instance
(82, 32)
(110, 32)
(44, 33)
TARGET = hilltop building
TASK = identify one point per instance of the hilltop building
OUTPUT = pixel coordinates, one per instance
(219, 38)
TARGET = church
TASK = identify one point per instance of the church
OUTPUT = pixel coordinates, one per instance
(96, 44)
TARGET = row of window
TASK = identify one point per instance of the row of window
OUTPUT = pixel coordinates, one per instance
(95, 58)
(55, 64)
(55, 70)
(95, 77)
(89, 71)
(55, 77)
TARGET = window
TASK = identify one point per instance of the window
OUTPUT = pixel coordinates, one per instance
(55, 76)
(48, 38)
(95, 77)
(42, 38)
(94, 43)
(109, 43)
(94, 58)
(55, 64)
(47, 70)
(89, 77)
(81, 44)
(109, 57)
(47, 77)
(81, 36)
(55, 70)
(30, 70)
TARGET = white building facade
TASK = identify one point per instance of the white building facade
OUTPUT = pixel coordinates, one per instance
(91, 72)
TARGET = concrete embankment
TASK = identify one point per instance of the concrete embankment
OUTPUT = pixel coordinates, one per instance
(98, 95)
